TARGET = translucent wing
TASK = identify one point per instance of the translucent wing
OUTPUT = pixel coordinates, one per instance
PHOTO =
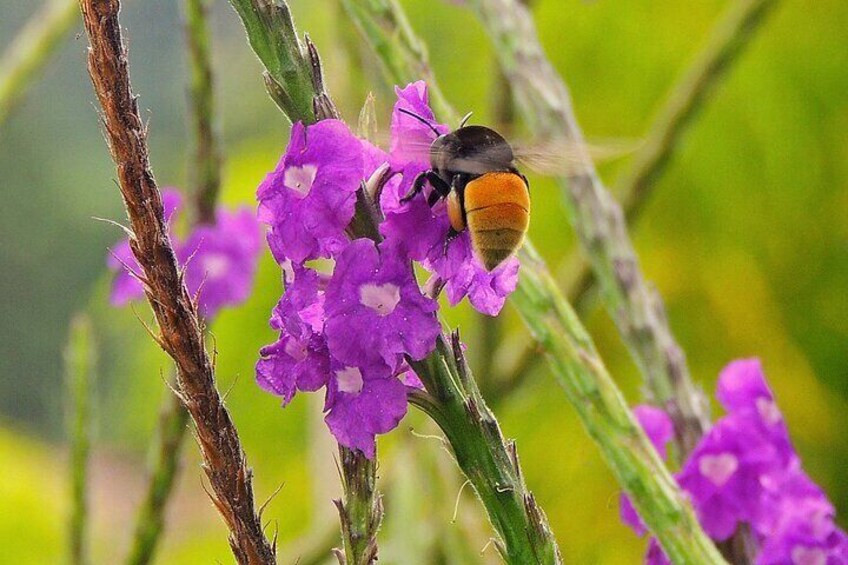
(562, 157)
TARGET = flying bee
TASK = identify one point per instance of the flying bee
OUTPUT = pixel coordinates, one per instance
(473, 170)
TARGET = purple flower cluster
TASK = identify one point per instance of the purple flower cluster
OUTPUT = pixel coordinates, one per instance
(745, 471)
(219, 259)
(348, 329)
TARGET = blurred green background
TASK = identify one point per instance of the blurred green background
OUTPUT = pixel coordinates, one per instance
(746, 237)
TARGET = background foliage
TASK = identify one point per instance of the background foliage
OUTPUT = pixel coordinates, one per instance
(746, 237)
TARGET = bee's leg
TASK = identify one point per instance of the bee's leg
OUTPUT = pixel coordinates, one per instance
(452, 235)
(441, 189)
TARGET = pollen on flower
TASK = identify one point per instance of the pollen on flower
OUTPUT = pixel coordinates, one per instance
(349, 380)
(718, 468)
(300, 179)
(382, 298)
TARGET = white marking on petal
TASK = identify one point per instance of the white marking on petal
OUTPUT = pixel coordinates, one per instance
(349, 380)
(768, 411)
(718, 468)
(382, 298)
(215, 265)
(808, 556)
(300, 179)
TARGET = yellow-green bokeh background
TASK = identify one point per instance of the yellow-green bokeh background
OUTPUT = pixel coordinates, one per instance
(746, 237)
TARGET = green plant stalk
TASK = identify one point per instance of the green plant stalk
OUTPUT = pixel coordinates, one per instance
(639, 313)
(32, 48)
(602, 409)
(206, 168)
(361, 510)
(385, 25)
(482, 454)
(171, 432)
(80, 361)
(727, 41)
(491, 463)
(273, 37)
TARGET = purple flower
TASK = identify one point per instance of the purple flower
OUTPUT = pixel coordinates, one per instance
(219, 259)
(742, 389)
(723, 474)
(363, 402)
(465, 275)
(660, 430)
(308, 200)
(414, 226)
(375, 311)
(799, 542)
(299, 359)
(655, 554)
(411, 139)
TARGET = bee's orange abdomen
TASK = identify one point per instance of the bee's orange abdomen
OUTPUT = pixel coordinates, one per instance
(497, 208)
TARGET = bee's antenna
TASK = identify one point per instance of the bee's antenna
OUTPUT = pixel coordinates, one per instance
(420, 119)
(465, 119)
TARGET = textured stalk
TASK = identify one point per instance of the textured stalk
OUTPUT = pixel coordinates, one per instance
(604, 412)
(361, 510)
(485, 457)
(171, 430)
(273, 37)
(455, 403)
(80, 361)
(30, 51)
(386, 27)
(180, 329)
(544, 101)
(206, 169)
(727, 41)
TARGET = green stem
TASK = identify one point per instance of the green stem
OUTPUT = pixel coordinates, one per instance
(361, 510)
(171, 431)
(604, 412)
(80, 361)
(30, 51)
(491, 463)
(544, 101)
(385, 25)
(206, 169)
(273, 37)
(727, 41)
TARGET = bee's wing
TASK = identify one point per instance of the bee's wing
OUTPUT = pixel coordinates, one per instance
(562, 157)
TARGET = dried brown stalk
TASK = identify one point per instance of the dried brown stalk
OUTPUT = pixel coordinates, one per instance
(181, 333)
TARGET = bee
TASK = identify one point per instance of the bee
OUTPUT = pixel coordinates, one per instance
(473, 169)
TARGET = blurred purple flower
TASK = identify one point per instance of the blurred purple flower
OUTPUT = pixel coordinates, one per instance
(308, 200)
(655, 554)
(660, 430)
(373, 296)
(723, 474)
(219, 259)
(742, 390)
